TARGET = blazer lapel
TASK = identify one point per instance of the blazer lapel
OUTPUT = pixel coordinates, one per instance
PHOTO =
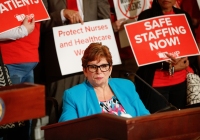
(122, 99)
(93, 104)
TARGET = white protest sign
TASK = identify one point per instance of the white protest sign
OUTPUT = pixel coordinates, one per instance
(72, 40)
(129, 10)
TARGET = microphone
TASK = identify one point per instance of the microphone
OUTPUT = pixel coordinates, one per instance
(169, 105)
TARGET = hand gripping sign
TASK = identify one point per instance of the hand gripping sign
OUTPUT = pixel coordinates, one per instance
(152, 38)
(13, 12)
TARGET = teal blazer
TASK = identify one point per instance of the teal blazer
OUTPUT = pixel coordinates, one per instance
(81, 100)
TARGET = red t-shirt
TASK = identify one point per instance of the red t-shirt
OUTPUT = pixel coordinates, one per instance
(162, 78)
(22, 50)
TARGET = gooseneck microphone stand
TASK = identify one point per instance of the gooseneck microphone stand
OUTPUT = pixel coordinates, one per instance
(169, 106)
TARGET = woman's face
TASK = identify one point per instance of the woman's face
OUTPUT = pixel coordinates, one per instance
(98, 77)
(166, 5)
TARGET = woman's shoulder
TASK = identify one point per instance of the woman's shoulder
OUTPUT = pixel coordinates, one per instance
(77, 88)
(146, 11)
(145, 14)
(179, 11)
(120, 81)
(121, 85)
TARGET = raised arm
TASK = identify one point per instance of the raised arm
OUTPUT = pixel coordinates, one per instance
(19, 32)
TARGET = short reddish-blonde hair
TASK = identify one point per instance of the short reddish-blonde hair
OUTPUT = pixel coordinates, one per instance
(96, 51)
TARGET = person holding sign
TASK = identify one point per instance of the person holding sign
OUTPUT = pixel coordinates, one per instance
(169, 78)
(19, 32)
(19, 49)
(99, 93)
(62, 13)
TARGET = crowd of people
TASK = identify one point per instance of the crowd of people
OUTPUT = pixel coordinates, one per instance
(29, 52)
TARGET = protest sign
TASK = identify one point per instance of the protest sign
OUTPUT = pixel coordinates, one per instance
(72, 40)
(129, 10)
(150, 39)
(13, 12)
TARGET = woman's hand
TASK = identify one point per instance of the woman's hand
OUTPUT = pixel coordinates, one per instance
(178, 63)
(182, 64)
(73, 16)
(173, 60)
(29, 24)
(119, 24)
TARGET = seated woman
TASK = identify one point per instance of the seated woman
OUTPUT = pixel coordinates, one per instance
(99, 93)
